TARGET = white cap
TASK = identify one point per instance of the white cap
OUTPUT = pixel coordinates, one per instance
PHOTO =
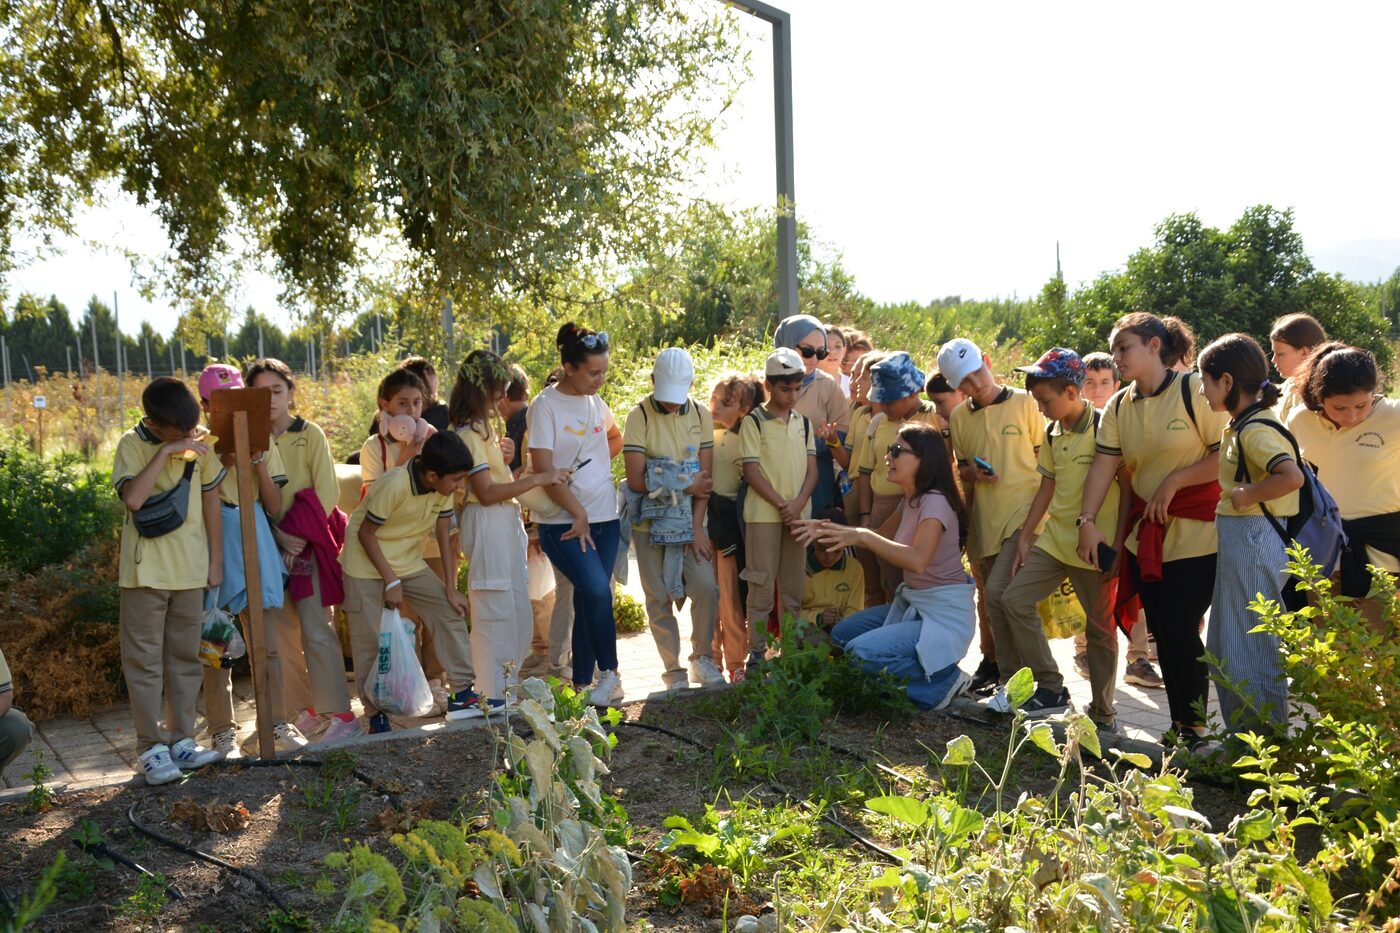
(673, 374)
(784, 361)
(958, 359)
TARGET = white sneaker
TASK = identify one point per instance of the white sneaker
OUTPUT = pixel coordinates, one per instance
(338, 731)
(607, 690)
(226, 744)
(189, 755)
(958, 689)
(999, 702)
(157, 766)
(704, 672)
(440, 698)
(288, 738)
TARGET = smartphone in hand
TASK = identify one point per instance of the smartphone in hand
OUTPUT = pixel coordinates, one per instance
(1107, 556)
(984, 466)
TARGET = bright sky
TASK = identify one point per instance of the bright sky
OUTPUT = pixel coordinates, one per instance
(944, 148)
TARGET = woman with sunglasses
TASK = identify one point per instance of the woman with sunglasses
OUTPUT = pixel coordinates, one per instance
(821, 401)
(926, 631)
(571, 428)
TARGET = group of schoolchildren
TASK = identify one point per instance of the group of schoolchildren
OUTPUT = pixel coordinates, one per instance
(898, 514)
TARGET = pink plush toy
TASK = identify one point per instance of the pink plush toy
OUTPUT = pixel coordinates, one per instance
(405, 428)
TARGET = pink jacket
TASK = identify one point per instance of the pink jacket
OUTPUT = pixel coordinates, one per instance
(324, 536)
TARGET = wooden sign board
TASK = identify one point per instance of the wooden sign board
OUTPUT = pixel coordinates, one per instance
(40, 402)
(256, 402)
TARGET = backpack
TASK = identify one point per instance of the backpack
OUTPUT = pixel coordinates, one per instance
(1318, 524)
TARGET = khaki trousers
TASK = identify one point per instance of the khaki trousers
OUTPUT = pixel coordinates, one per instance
(702, 591)
(311, 664)
(364, 601)
(1025, 645)
(159, 635)
(731, 642)
(995, 573)
(773, 559)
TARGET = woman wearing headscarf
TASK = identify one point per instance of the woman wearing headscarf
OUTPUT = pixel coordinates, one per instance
(821, 401)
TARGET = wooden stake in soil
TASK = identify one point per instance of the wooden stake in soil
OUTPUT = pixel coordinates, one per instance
(241, 419)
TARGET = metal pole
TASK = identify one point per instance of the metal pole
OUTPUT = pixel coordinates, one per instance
(782, 126)
(96, 370)
(68, 355)
(260, 341)
(5, 366)
(450, 355)
(170, 348)
(147, 342)
(182, 358)
(117, 329)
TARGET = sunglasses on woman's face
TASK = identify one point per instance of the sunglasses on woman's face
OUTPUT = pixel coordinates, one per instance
(895, 450)
(809, 352)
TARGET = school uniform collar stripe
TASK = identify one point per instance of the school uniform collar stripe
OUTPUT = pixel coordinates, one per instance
(415, 480)
(146, 434)
(1001, 397)
(298, 425)
(1081, 426)
(1137, 395)
(656, 406)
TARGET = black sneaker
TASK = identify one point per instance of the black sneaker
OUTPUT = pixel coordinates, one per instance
(1046, 703)
(378, 723)
(985, 679)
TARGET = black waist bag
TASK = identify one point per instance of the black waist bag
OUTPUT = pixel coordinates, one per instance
(163, 513)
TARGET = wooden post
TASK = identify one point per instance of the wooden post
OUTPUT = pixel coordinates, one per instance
(240, 418)
(41, 434)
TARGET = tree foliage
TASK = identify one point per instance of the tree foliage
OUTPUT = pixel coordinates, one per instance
(498, 142)
(1218, 281)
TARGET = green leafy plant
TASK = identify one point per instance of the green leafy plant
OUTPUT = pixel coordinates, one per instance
(70, 501)
(32, 907)
(41, 797)
(145, 903)
(747, 839)
(631, 616)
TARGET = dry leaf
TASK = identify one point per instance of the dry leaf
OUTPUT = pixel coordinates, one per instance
(211, 817)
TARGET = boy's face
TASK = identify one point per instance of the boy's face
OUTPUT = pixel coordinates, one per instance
(783, 395)
(902, 408)
(169, 434)
(445, 484)
(1099, 386)
(281, 396)
(1055, 404)
(724, 408)
(945, 402)
(827, 558)
(980, 386)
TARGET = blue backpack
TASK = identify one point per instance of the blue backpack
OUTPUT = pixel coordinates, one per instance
(1318, 524)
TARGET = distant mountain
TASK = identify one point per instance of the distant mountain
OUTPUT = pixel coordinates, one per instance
(1360, 260)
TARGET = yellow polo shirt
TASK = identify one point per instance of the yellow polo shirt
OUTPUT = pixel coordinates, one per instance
(873, 451)
(484, 444)
(378, 455)
(307, 460)
(727, 474)
(178, 560)
(1155, 435)
(840, 587)
(1261, 447)
(781, 447)
(406, 512)
(1007, 434)
(228, 489)
(1359, 465)
(680, 435)
(1065, 458)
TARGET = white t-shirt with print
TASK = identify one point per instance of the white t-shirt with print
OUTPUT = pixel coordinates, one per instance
(557, 422)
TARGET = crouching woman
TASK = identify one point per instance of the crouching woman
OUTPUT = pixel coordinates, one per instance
(920, 637)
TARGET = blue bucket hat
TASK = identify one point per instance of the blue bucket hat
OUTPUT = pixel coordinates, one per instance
(895, 377)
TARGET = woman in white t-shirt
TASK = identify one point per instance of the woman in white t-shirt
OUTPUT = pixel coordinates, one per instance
(925, 632)
(571, 428)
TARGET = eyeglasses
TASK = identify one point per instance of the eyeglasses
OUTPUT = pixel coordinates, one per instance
(809, 352)
(595, 341)
(895, 450)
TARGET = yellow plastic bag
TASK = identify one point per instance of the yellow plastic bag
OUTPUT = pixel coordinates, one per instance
(1060, 612)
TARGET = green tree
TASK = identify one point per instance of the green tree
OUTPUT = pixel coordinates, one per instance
(499, 143)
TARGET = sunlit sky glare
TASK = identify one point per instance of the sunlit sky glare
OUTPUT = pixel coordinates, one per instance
(944, 148)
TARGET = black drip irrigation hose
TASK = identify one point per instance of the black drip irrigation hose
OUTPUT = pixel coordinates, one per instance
(257, 879)
(785, 792)
(102, 850)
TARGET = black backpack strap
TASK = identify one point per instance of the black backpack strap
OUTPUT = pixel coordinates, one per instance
(189, 470)
(1186, 398)
(1242, 472)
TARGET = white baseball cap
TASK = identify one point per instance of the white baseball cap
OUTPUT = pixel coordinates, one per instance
(673, 374)
(958, 359)
(784, 361)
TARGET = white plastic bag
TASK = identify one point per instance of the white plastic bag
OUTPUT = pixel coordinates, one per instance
(399, 685)
(540, 576)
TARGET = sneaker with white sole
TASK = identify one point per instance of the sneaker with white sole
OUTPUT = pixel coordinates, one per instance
(288, 738)
(675, 680)
(189, 755)
(338, 731)
(1045, 703)
(959, 687)
(998, 702)
(607, 690)
(1081, 664)
(226, 743)
(309, 723)
(704, 672)
(464, 704)
(157, 766)
(1143, 674)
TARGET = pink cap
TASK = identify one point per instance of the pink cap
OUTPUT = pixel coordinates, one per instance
(218, 376)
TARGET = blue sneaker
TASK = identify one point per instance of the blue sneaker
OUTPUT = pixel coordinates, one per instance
(464, 704)
(378, 723)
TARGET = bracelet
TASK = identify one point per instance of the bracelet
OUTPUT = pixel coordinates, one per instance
(390, 586)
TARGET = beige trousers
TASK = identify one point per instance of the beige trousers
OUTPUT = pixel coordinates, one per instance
(773, 559)
(159, 636)
(700, 588)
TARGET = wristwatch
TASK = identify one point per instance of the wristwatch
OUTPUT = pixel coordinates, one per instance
(1085, 518)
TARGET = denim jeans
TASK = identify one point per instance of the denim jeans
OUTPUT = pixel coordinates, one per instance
(590, 572)
(890, 648)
